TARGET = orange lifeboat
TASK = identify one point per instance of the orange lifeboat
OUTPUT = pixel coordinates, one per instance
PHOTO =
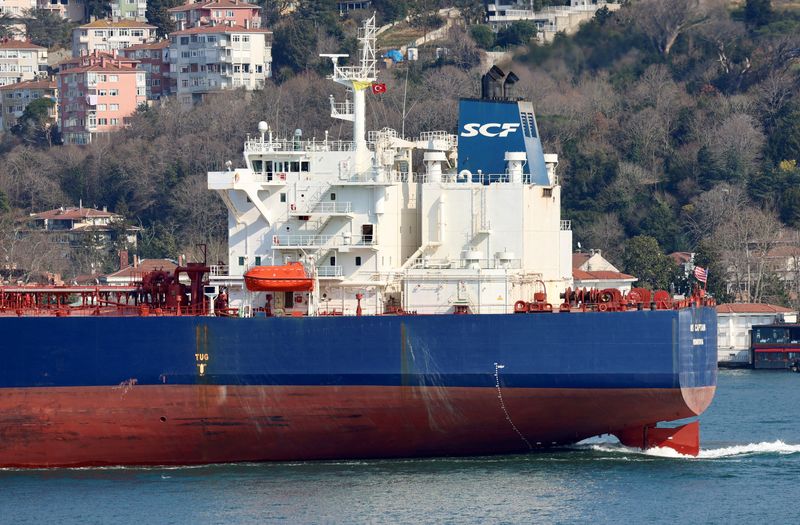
(290, 277)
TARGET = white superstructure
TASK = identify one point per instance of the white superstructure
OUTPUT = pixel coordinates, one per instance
(364, 223)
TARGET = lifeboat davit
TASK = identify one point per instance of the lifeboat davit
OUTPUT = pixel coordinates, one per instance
(290, 277)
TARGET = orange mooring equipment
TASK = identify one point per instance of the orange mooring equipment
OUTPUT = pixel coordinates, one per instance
(290, 277)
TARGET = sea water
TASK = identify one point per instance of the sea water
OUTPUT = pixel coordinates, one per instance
(747, 472)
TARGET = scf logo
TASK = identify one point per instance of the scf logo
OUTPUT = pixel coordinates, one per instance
(490, 129)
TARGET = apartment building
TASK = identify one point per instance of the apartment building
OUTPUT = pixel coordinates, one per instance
(220, 12)
(14, 98)
(21, 61)
(72, 10)
(110, 35)
(129, 9)
(214, 58)
(154, 59)
(98, 97)
(16, 9)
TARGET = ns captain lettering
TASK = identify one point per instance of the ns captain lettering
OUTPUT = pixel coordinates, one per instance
(490, 129)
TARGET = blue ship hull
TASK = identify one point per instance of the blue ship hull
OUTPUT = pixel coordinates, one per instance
(104, 390)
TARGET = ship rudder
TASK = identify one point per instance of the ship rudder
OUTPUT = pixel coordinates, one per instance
(684, 439)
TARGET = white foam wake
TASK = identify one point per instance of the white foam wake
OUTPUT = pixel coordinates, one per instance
(774, 447)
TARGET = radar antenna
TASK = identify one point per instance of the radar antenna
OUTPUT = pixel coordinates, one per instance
(358, 79)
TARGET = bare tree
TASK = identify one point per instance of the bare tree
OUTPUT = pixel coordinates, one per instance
(663, 21)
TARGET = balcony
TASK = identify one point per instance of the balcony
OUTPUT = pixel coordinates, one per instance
(325, 208)
(330, 272)
(297, 242)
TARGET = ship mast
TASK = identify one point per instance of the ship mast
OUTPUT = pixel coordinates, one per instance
(358, 79)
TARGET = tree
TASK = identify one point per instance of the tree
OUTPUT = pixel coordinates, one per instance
(644, 259)
(663, 21)
(482, 35)
(758, 12)
(517, 33)
(391, 10)
(98, 8)
(158, 16)
(47, 29)
(294, 46)
(36, 124)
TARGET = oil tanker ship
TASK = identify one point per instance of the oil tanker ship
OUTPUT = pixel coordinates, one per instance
(367, 311)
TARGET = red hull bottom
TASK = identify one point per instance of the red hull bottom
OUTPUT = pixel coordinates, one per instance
(181, 425)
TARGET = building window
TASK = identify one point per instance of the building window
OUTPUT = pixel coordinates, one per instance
(101, 107)
(114, 107)
(113, 92)
(333, 196)
(358, 260)
(288, 300)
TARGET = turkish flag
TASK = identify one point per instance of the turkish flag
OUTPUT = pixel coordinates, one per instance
(377, 89)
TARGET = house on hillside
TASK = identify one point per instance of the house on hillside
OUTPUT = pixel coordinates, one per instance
(72, 226)
(14, 98)
(592, 270)
(549, 20)
(132, 273)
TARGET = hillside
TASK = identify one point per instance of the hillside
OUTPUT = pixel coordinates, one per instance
(687, 136)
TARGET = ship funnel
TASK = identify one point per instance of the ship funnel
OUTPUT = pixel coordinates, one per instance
(491, 84)
(496, 85)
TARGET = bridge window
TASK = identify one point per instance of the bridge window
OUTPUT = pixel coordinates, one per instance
(358, 260)
(305, 166)
(241, 261)
(283, 197)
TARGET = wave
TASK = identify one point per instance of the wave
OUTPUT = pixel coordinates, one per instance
(751, 449)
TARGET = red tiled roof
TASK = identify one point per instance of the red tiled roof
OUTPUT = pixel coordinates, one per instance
(751, 308)
(218, 29)
(30, 84)
(221, 4)
(601, 276)
(153, 45)
(784, 251)
(578, 259)
(99, 67)
(71, 214)
(19, 44)
(145, 265)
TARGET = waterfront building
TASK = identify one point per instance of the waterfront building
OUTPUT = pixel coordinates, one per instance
(14, 98)
(21, 61)
(214, 58)
(734, 323)
(110, 35)
(98, 97)
(216, 12)
(592, 270)
(153, 58)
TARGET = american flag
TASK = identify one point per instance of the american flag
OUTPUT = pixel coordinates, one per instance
(701, 274)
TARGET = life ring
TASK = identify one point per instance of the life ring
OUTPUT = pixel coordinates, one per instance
(602, 307)
(292, 207)
(298, 299)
